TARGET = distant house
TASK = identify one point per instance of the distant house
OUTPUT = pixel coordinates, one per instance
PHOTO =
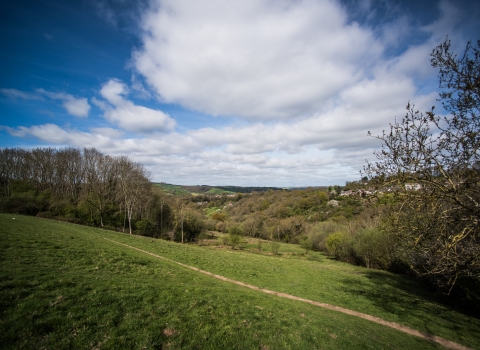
(346, 193)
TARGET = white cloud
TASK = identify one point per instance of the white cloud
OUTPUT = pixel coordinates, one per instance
(254, 59)
(309, 84)
(14, 93)
(127, 115)
(112, 133)
(139, 89)
(77, 107)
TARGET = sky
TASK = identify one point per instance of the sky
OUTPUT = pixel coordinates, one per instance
(248, 93)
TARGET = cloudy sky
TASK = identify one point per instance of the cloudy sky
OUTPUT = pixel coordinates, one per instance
(251, 92)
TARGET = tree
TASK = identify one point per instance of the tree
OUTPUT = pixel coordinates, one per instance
(100, 178)
(178, 216)
(433, 163)
(133, 186)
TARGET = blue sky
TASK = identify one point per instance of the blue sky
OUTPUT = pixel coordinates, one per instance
(253, 93)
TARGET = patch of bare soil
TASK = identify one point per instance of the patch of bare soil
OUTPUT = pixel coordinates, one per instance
(433, 338)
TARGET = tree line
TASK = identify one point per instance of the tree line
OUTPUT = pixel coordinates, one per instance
(85, 186)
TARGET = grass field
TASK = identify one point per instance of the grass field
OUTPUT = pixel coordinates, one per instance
(65, 286)
(173, 189)
(219, 191)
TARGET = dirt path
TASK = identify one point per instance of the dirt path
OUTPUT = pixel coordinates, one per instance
(444, 342)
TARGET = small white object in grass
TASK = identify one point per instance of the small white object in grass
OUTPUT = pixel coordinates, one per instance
(13, 218)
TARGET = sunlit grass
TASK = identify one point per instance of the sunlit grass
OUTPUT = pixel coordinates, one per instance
(64, 286)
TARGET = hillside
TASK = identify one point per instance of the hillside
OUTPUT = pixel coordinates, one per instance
(66, 286)
(205, 189)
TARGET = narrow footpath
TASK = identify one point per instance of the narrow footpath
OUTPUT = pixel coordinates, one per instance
(433, 338)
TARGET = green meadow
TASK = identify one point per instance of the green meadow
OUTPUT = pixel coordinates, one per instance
(65, 286)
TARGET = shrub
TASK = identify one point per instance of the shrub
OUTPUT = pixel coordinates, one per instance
(145, 228)
(203, 235)
(318, 234)
(221, 227)
(235, 230)
(225, 240)
(306, 244)
(274, 247)
(218, 216)
(339, 244)
(375, 248)
(234, 240)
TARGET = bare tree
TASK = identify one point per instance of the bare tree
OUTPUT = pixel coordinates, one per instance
(133, 186)
(433, 162)
(71, 167)
(100, 180)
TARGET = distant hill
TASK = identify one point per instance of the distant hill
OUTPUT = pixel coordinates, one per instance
(206, 189)
(227, 189)
(240, 189)
(173, 189)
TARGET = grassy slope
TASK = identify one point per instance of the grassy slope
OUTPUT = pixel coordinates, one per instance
(64, 286)
(173, 189)
(219, 191)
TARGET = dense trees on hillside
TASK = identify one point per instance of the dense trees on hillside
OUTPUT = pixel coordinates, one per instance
(85, 186)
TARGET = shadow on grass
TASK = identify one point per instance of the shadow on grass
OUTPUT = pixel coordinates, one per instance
(413, 300)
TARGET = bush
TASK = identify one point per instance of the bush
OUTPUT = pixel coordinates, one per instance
(203, 235)
(193, 224)
(306, 244)
(274, 247)
(225, 240)
(145, 228)
(339, 244)
(234, 240)
(318, 234)
(218, 216)
(235, 230)
(375, 248)
(221, 227)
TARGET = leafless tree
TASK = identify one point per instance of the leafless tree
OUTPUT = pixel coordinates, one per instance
(100, 180)
(133, 186)
(433, 162)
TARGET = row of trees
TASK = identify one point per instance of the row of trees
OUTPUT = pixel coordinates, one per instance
(101, 183)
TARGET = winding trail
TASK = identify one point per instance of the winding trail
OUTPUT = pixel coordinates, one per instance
(433, 338)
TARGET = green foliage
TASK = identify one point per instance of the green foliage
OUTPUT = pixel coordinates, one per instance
(259, 245)
(145, 228)
(224, 239)
(234, 240)
(339, 244)
(376, 248)
(318, 234)
(235, 230)
(274, 247)
(264, 204)
(193, 224)
(205, 235)
(306, 244)
(26, 203)
(173, 189)
(218, 191)
(218, 216)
